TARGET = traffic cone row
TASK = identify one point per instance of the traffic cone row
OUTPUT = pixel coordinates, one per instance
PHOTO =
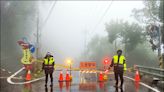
(67, 78)
(67, 81)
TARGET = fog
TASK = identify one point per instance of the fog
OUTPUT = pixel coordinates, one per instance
(71, 23)
(66, 29)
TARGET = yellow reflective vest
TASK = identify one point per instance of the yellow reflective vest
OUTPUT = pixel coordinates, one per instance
(49, 61)
(121, 61)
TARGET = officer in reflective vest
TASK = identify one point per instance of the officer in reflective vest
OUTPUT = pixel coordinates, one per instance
(48, 67)
(119, 64)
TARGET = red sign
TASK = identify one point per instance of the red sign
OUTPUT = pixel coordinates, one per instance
(106, 61)
(88, 65)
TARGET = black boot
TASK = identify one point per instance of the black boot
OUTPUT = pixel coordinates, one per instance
(120, 86)
(46, 85)
(51, 85)
(116, 85)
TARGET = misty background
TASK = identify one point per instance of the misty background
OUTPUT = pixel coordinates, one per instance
(82, 30)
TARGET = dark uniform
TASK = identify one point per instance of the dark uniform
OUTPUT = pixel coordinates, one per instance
(119, 64)
(48, 67)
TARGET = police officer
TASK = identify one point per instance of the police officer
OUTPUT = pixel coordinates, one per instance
(118, 61)
(48, 67)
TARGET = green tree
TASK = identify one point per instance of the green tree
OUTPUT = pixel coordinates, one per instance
(129, 35)
(151, 13)
(98, 48)
(131, 38)
(142, 55)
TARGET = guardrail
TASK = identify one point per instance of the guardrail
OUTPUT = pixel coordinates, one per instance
(154, 72)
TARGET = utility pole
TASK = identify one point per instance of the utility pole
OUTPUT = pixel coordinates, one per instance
(37, 37)
(125, 48)
(115, 44)
(85, 43)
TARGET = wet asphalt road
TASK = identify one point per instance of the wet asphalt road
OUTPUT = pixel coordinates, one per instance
(86, 84)
(80, 83)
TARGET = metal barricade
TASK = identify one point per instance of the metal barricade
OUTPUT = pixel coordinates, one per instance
(154, 72)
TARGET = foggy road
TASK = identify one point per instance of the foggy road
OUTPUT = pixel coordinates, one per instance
(88, 37)
(87, 85)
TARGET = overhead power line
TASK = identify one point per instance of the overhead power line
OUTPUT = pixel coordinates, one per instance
(87, 37)
(107, 9)
(49, 13)
(39, 28)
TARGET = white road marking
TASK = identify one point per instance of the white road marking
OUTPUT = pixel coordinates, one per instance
(9, 78)
(3, 70)
(9, 72)
(3, 77)
(143, 84)
(12, 78)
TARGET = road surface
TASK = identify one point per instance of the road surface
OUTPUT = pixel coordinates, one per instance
(85, 83)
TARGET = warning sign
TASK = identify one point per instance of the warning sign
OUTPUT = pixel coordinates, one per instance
(88, 65)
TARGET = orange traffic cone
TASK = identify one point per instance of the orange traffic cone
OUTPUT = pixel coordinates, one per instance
(61, 77)
(67, 77)
(100, 77)
(28, 76)
(137, 76)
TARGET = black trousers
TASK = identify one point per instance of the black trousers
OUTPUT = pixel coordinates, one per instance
(51, 77)
(49, 72)
(118, 72)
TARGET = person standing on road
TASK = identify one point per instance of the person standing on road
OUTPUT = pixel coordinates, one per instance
(48, 67)
(118, 61)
